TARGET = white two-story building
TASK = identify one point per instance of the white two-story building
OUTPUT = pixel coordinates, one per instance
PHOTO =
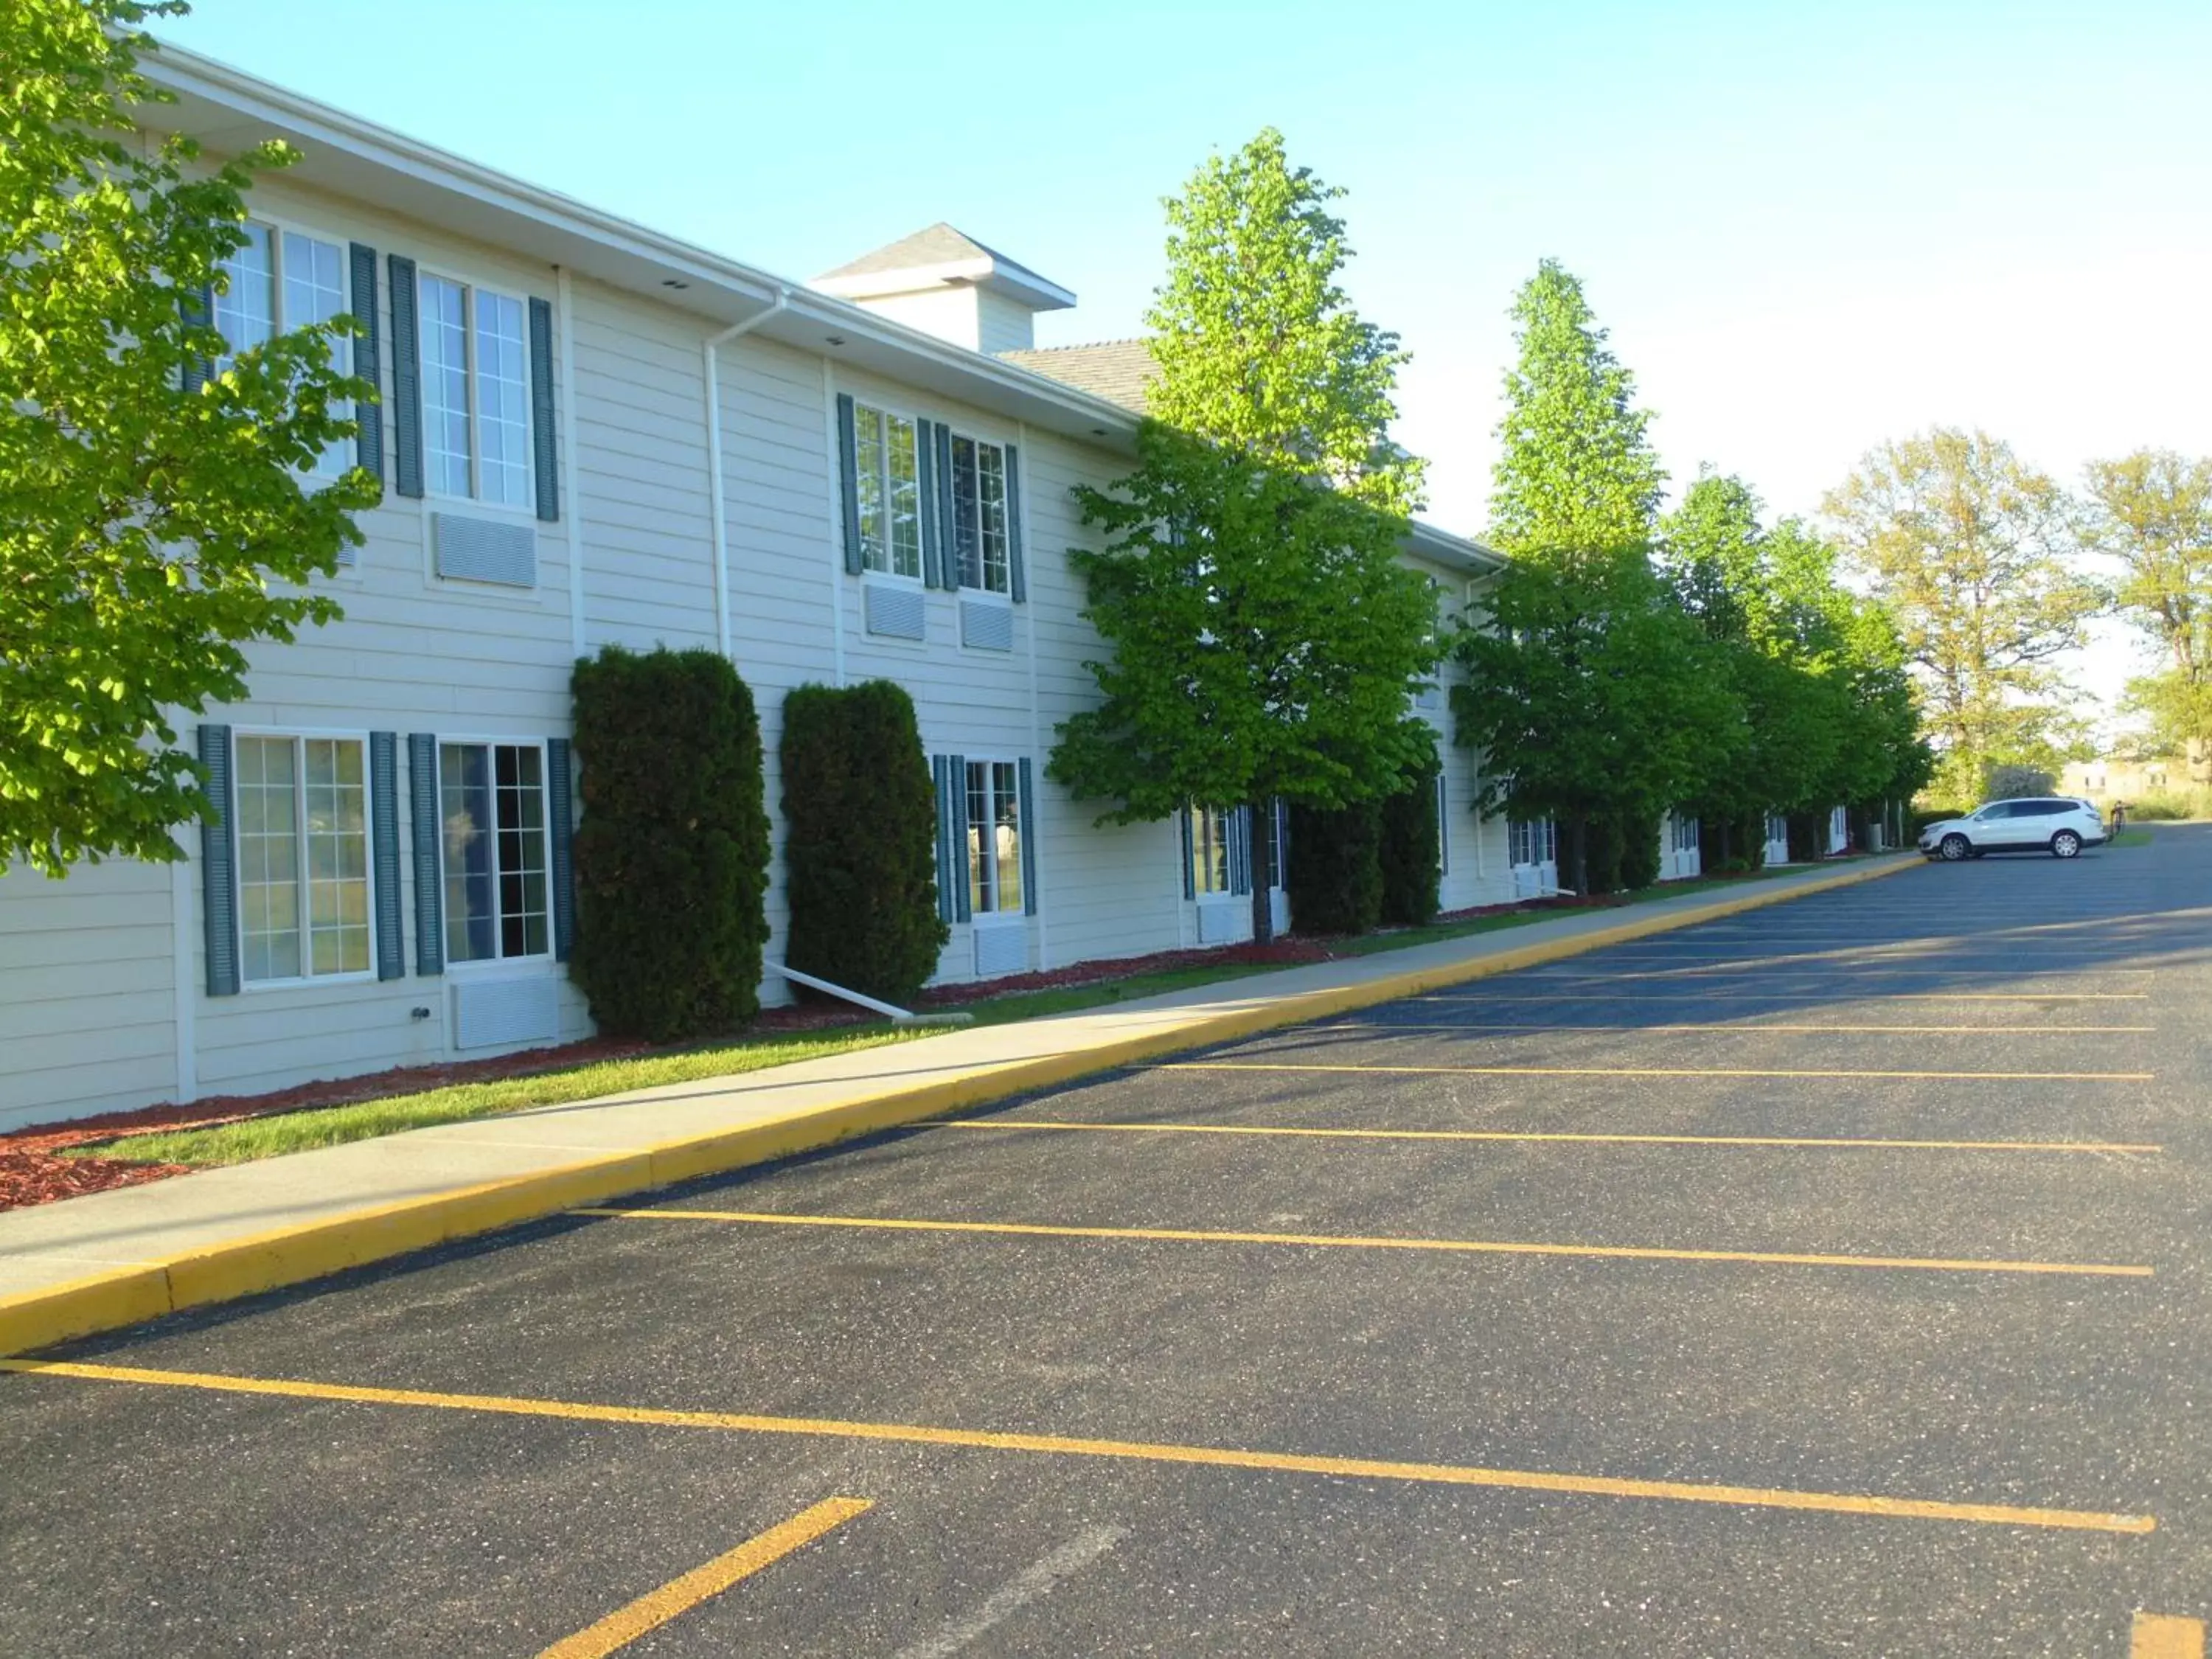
(591, 433)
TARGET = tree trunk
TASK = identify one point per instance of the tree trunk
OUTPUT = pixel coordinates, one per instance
(1578, 842)
(1262, 853)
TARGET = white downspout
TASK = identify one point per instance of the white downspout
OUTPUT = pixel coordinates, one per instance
(712, 344)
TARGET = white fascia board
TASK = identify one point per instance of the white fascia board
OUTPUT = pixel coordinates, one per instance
(229, 110)
(1453, 552)
(993, 276)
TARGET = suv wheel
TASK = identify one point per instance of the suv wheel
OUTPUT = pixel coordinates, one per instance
(1953, 847)
(2066, 845)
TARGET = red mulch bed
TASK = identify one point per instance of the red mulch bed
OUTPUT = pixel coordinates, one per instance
(33, 1170)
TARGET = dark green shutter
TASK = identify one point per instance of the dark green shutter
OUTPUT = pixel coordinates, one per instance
(406, 384)
(198, 305)
(925, 467)
(1020, 581)
(948, 540)
(368, 363)
(1029, 842)
(561, 815)
(1189, 886)
(427, 822)
(1239, 824)
(960, 899)
(383, 852)
(849, 483)
(219, 865)
(544, 451)
(940, 771)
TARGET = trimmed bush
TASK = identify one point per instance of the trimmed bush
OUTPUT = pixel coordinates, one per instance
(1335, 875)
(1731, 846)
(1641, 857)
(1921, 816)
(860, 857)
(1604, 853)
(672, 851)
(1408, 852)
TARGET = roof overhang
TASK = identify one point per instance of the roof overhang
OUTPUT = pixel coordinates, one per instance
(992, 275)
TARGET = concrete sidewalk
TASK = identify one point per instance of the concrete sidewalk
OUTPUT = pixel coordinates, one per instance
(115, 1258)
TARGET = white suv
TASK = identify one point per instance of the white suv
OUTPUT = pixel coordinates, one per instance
(2039, 823)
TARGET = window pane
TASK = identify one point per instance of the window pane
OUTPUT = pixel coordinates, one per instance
(967, 514)
(905, 500)
(268, 858)
(314, 292)
(991, 478)
(982, 863)
(503, 399)
(465, 801)
(246, 310)
(336, 811)
(1006, 833)
(522, 887)
(444, 308)
(868, 486)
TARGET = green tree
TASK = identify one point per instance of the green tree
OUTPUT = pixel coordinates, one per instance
(2152, 512)
(1576, 473)
(1264, 637)
(154, 519)
(1969, 549)
(1590, 691)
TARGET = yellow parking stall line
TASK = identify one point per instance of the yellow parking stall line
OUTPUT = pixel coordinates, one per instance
(656, 1607)
(1744, 1027)
(1797, 996)
(2160, 1636)
(1332, 1241)
(1341, 1468)
(1869, 969)
(1563, 1137)
(1650, 1071)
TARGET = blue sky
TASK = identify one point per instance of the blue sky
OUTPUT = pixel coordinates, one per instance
(1808, 225)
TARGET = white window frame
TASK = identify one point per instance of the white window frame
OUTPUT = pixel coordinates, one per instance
(494, 964)
(956, 576)
(1538, 836)
(984, 836)
(298, 735)
(923, 460)
(470, 287)
(281, 227)
(1204, 842)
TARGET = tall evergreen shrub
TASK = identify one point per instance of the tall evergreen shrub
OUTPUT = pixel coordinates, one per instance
(1640, 852)
(672, 851)
(1408, 852)
(860, 862)
(1335, 875)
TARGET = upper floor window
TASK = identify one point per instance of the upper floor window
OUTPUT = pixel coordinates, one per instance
(979, 516)
(476, 393)
(277, 281)
(888, 486)
(302, 857)
(492, 797)
(994, 837)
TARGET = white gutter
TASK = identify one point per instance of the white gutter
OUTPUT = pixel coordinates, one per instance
(708, 349)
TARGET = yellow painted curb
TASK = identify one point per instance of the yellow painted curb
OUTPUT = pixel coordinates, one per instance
(291, 1256)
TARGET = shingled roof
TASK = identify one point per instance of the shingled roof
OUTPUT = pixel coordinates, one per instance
(1119, 371)
(942, 253)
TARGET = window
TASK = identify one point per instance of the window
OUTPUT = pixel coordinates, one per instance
(1685, 835)
(1282, 812)
(979, 516)
(1531, 841)
(277, 282)
(1443, 825)
(493, 804)
(890, 491)
(302, 857)
(476, 393)
(994, 838)
(1209, 850)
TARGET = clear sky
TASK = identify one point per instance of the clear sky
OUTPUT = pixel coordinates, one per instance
(1809, 225)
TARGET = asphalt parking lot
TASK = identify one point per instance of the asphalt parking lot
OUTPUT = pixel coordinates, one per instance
(1829, 1279)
